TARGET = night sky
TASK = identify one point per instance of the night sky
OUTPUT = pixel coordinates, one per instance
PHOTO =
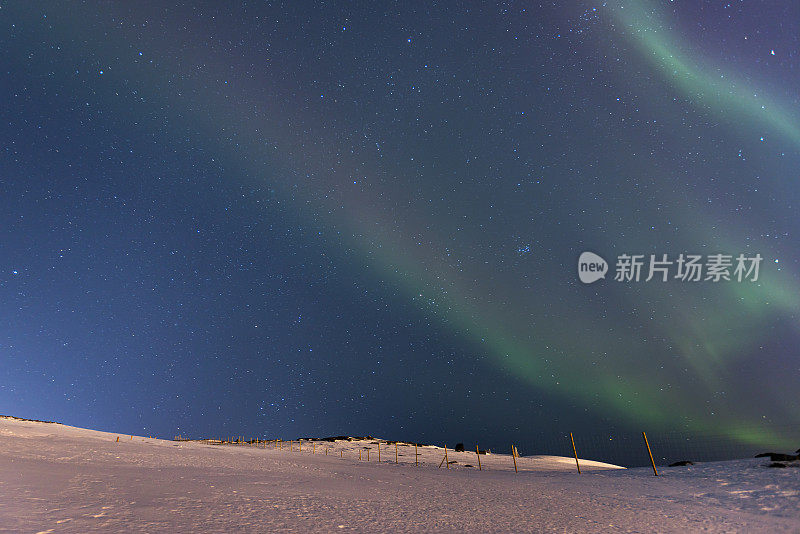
(323, 218)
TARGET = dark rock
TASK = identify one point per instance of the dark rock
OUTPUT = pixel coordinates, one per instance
(459, 447)
(337, 438)
(681, 463)
(776, 464)
(778, 457)
(28, 420)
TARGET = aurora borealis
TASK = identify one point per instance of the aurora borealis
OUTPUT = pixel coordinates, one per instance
(313, 219)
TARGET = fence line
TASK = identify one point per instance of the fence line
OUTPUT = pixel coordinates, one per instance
(653, 448)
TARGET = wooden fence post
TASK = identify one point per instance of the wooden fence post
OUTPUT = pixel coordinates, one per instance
(379, 452)
(416, 456)
(514, 456)
(445, 457)
(650, 453)
(478, 454)
(575, 452)
(395, 453)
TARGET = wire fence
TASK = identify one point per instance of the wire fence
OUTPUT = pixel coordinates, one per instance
(624, 449)
(628, 449)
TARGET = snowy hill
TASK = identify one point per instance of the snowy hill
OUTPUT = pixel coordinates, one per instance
(56, 478)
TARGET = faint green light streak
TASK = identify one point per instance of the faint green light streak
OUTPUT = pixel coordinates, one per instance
(705, 84)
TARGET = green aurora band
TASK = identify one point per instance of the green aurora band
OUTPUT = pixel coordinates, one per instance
(712, 338)
(706, 85)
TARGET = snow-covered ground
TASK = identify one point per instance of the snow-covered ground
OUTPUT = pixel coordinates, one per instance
(56, 478)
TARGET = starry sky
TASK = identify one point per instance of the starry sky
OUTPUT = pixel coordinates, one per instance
(323, 218)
